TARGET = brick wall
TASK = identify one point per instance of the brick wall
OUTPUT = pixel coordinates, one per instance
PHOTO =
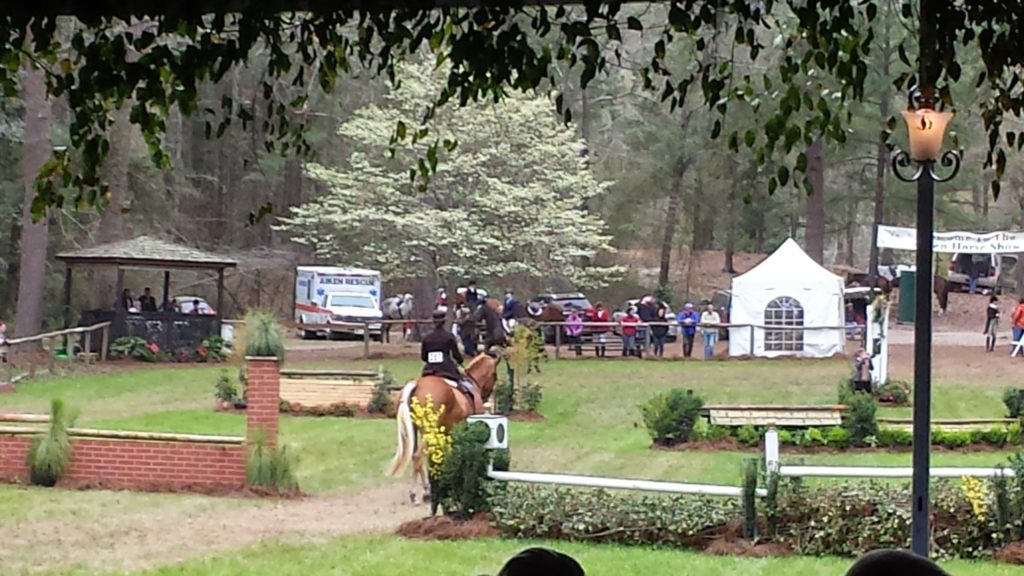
(160, 465)
(263, 397)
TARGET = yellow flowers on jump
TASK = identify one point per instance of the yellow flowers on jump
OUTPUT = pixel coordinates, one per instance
(436, 439)
(976, 493)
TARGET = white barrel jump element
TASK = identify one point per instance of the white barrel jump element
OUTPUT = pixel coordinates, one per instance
(619, 483)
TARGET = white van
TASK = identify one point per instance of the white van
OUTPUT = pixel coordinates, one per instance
(342, 300)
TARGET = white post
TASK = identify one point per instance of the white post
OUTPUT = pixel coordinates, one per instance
(771, 451)
(878, 333)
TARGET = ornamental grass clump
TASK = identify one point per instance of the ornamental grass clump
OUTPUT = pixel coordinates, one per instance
(264, 337)
(50, 453)
(270, 468)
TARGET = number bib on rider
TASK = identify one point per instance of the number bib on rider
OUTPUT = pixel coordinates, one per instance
(435, 357)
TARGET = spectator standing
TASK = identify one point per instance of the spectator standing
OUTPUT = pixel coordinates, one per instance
(574, 330)
(658, 331)
(991, 323)
(1018, 321)
(647, 313)
(467, 328)
(147, 303)
(709, 321)
(688, 320)
(628, 328)
(601, 315)
(862, 367)
(127, 302)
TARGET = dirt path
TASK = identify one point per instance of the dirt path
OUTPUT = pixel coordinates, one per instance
(148, 538)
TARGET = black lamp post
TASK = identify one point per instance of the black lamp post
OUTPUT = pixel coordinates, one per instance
(926, 127)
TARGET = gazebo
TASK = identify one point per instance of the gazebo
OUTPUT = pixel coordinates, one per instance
(169, 329)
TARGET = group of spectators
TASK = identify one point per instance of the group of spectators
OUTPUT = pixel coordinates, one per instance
(644, 328)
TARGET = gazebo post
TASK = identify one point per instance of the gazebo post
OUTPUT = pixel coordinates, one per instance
(167, 290)
(67, 296)
(220, 300)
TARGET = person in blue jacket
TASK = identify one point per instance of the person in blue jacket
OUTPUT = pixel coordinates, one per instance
(688, 320)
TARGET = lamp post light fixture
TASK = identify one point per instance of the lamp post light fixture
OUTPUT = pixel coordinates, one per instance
(926, 127)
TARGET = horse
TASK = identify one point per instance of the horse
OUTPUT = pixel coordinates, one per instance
(482, 370)
(396, 308)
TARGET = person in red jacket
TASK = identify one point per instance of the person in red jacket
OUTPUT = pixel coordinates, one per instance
(629, 324)
(601, 332)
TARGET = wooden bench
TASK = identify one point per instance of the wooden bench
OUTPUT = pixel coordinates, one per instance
(313, 388)
(770, 415)
(949, 425)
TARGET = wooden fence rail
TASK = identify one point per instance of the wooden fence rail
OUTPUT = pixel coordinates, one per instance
(11, 349)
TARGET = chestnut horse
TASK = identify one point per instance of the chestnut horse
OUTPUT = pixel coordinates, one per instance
(482, 370)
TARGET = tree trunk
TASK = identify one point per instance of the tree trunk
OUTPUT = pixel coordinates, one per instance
(731, 223)
(28, 316)
(671, 218)
(111, 227)
(882, 161)
(851, 225)
(760, 221)
(814, 237)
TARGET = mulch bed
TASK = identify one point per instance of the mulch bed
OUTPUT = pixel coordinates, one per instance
(517, 416)
(445, 528)
(1012, 553)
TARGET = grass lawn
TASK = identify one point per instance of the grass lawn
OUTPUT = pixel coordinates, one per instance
(373, 556)
(591, 426)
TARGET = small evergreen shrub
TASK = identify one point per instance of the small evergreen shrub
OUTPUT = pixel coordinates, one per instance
(749, 436)
(892, 437)
(227, 390)
(859, 419)
(462, 486)
(749, 498)
(894, 392)
(264, 336)
(531, 395)
(50, 453)
(670, 417)
(270, 468)
(837, 436)
(504, 396)
(1013, 398)
(380, 401)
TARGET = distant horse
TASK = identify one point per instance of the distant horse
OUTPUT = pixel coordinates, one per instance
(396, 308)
(482, 370)
(494, 331)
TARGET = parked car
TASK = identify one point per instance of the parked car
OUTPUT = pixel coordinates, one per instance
(185, 304)
(673, 329)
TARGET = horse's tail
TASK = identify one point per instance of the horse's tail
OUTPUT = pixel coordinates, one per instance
(406, 433)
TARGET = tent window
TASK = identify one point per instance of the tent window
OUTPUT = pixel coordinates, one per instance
(783, 311)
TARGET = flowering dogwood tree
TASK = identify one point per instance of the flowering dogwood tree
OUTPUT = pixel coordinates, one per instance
(510, 197)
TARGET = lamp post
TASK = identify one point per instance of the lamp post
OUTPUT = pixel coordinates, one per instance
(926, 127)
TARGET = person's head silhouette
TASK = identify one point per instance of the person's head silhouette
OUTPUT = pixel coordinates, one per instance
(894, 563)
(541, 562)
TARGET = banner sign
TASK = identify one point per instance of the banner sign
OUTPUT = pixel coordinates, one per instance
(898, 238)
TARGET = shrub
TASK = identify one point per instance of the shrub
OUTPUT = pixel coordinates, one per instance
(50, 453)
(859, 419)
(136, 348)
(837, 436)
(226, 389)
(380, 401)
(670, 417)
(461, 487)
(786, 437)
(996, 436)
(1013, 398)
(891, 437)
(811, 437)
(853, 518)
(504, 397)
(530, 396)
(212, 349)
(264, 337)
(748, 435)
(269, 467)
(894, 392)
(525, 511)
(1013, 434)
(951, 438)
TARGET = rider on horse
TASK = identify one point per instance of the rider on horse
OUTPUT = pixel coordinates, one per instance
(440, 352)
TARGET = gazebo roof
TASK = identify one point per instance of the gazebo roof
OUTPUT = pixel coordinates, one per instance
(147, 252)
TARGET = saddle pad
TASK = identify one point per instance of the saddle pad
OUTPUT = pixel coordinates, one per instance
(451, 383)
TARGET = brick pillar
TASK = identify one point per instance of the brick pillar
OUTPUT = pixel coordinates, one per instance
(263, 398)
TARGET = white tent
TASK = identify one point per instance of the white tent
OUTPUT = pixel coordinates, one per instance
(787, 289)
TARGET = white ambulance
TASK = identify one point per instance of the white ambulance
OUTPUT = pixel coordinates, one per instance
(340, 300)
